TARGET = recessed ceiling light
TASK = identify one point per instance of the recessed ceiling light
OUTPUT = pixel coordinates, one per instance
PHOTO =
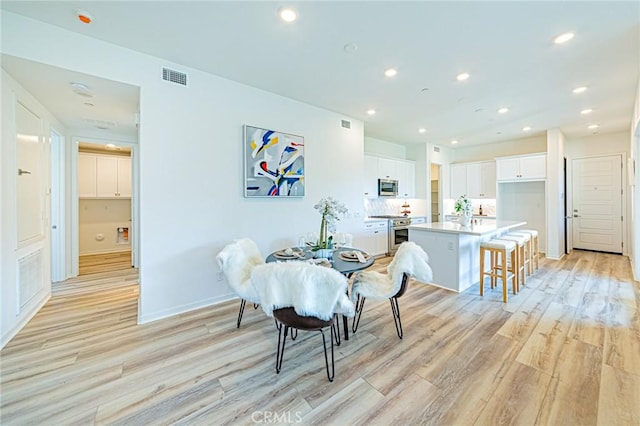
(453, 142)
(422, 130)
(371, 111)
(580, 89)
(84, 16)
(287, 14)
(563, 38)
(350, 47)
(593, 126)
(462, 76)
(391, 72)
(526, 128)
(586, 111)
(503, 110)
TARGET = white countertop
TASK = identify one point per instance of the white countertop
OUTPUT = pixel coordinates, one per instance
(483, 227)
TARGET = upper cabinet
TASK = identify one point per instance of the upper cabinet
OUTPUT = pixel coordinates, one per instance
(104, 176)
(406, 175)
(404, 171)
(528, 167)
(475, 180)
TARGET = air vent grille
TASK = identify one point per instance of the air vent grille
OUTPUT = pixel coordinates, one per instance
(30, 278)
(436, 149)
(346, 124)
(174, 76)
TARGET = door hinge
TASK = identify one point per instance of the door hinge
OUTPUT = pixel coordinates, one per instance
(622, 218)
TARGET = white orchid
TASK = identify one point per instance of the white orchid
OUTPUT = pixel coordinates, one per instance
(331, 210)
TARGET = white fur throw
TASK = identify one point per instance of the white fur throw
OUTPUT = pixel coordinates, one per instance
(311, 290)
(236, 262)
(410, 259)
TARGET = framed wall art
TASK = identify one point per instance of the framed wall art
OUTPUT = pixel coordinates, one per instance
(273, 163)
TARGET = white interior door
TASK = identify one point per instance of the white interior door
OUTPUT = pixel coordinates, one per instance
(597, 203)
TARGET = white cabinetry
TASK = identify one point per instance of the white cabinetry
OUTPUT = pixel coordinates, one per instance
(104, 176)
(375, 238)
(529, 167)
(404, 171)
(370, 176)
(475, 180)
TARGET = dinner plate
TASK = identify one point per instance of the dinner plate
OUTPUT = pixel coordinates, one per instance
(283, 255)
(350, 256)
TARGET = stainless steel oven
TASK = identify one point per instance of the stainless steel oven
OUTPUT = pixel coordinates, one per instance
(398, 233)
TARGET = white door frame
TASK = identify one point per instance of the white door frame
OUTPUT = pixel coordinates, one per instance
(58, 224)
(73, 197)
(625, 187)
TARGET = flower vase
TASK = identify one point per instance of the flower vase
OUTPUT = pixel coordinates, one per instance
(466, 218)
(323, 254)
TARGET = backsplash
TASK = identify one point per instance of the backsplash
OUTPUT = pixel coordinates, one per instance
(488, 206)
(386, 206)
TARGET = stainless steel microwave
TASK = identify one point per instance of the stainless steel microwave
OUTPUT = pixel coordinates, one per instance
(387, 187)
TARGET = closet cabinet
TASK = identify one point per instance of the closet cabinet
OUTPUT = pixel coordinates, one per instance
(104, 176)
(404, 171)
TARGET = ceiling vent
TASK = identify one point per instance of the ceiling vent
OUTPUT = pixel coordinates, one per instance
(174, 76)
(436, 149)
(346, 124)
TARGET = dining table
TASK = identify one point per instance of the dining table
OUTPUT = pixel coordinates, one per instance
(340, 261)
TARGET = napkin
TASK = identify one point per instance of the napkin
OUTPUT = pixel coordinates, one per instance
(360, 257)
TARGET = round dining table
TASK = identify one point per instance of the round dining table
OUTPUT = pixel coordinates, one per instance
(346, 267)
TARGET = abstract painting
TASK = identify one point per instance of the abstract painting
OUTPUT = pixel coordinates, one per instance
(273, 163)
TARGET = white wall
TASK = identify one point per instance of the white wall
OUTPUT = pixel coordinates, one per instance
(190, 164)
(490, 151)
(634, 246)
(555, 195)
(382, 148)
(100, 220)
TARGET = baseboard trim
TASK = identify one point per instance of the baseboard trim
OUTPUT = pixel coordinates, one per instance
(6, 338)
(177, 310)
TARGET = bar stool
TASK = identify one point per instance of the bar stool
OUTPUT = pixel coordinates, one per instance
(527, 249)
(534, 248)
(521, 261)
(498, 249)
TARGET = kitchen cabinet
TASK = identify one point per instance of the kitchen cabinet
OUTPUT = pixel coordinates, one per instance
(375, 238)
(387, 168)
(104, 176)
(404, 171)
(406, 175)
(475, 180)
(529, 167)
(370, 176)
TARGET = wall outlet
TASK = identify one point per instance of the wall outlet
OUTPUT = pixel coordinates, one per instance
(220, 276)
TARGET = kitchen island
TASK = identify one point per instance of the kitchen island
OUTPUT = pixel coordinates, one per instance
(454, 250)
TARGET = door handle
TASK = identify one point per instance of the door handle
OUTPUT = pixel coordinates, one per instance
(576, 215)
(23, 172)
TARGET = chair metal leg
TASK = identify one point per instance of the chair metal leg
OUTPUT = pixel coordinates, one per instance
(359, 307)
(280, 351)
(336, 323)
(331, 374)
(395, 310)
(244, 302)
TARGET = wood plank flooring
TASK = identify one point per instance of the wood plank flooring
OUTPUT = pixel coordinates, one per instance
(565, 350)
(93, 263)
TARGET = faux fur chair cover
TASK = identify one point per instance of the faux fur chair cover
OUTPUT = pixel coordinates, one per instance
(311, 290)
(410, 259)
(236, 262)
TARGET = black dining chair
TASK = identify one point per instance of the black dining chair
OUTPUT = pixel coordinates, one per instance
(303, 296)
(409, 261)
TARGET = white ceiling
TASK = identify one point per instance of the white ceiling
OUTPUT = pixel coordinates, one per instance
(505, 46)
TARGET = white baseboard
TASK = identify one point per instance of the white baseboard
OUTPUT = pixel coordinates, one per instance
(154, 316)
(26, 317)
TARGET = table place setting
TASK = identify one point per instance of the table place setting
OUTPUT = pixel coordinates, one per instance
(354, 256)
(290, 253)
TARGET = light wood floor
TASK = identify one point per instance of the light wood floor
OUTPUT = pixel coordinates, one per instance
(565, 351)
(94, 263)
